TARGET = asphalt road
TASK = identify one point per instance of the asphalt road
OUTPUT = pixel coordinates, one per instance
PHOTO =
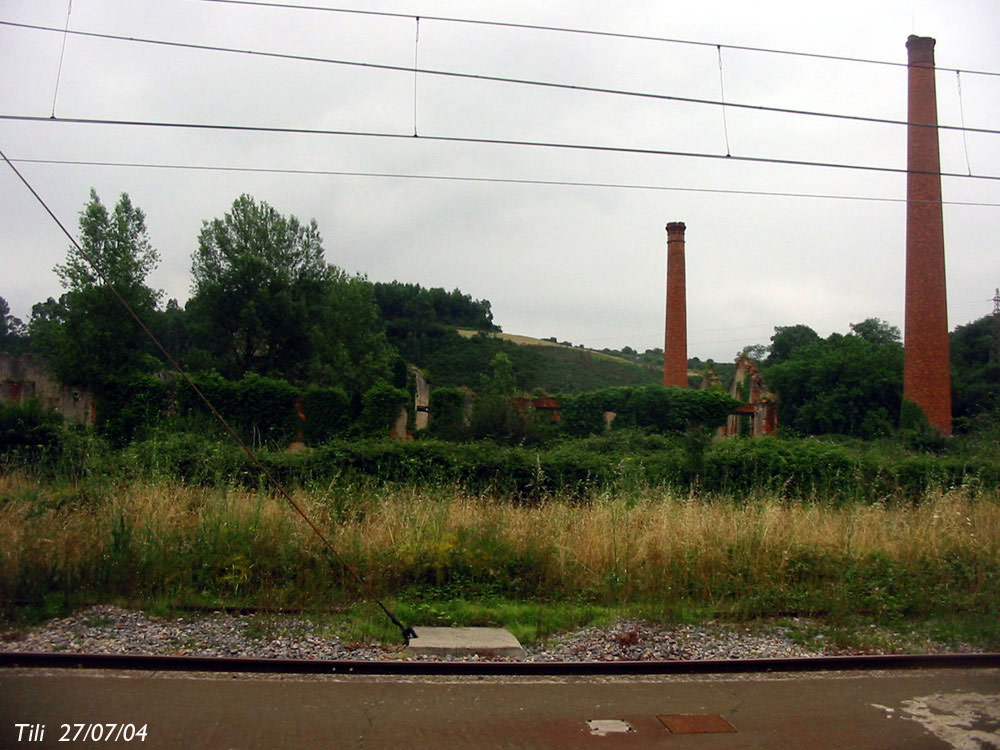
(913, 709)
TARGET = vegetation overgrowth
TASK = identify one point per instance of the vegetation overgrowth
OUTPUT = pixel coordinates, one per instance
(622, 522)
(744, 557)
(860, 509)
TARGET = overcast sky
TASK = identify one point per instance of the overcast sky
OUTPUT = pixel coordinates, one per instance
(582, 263)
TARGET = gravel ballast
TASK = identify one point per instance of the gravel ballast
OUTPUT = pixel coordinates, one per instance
(105, 629)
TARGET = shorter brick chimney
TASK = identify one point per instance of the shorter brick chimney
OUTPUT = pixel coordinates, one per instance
(675, 338)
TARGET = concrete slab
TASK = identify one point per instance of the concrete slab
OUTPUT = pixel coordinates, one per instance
(465, 642)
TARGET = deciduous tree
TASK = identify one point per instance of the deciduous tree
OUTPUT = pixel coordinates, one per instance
(266, 301)
(13, 333)
(87, 336)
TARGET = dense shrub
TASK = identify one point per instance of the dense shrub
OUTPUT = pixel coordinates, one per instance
(380, 406)
(667, 411)
(448, 419)
(127, 407)
(327, 414)
(675, 410)
(582, 414)
(28, 430)
(796, 468)
(261, 410)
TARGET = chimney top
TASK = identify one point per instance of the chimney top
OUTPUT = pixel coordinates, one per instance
(921, 49)
(676, 226)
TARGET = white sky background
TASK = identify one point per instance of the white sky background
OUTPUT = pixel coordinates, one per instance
(584, 264)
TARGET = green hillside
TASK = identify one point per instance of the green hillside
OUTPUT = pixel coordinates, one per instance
(453, 339)
(462, 357)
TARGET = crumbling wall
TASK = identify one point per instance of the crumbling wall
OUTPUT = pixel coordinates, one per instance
(422, 400)
(26, 377)
(757, 402)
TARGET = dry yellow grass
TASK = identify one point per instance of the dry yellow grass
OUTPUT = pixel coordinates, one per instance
(645, 545)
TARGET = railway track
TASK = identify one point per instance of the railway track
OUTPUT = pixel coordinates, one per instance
(496, 668)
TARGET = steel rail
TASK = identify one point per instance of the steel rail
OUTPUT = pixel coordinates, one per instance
(137, 662)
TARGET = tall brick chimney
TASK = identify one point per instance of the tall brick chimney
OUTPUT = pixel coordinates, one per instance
(675, 339)
(926, 367)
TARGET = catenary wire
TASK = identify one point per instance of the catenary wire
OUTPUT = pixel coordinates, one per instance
(488, 180)
(62, 55)
(588, 147)
(407, 632)
(587, 32)
(497, 79)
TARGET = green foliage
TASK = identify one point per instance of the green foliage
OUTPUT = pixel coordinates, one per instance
(261, 410)
(787, 339)
(975, 374)
(348, 345)
(581, 414)
(454, 361)
(257, 278)
(502, 419)
(87, 336)
(843, 385)
(675, 410)
(116, 248)
(501, 381)
(417, 318)
(28, 431)
(793, 468)
(190, 458)
(448, 420)
(13, 332)
(380, 405)
(127, 407)
(327, 414)
(653, 407)
(876, 331)
(266, 301)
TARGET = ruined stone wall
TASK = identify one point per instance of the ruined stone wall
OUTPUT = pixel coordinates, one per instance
(26, 377)
(760, 406)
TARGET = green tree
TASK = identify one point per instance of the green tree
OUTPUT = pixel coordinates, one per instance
(502, 381)
(87, 336)
(756, 352)
(787, 339)
(844, 385)
(13, 333)
(258, 279)
(975, 373)
(266, 301)
(876, 331)
(347, 339)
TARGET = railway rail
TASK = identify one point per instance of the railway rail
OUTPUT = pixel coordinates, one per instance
(496, 668)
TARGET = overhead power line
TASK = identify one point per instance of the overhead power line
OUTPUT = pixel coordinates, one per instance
(488, 180)
(483, 141)
(588, 32)
(413, 70)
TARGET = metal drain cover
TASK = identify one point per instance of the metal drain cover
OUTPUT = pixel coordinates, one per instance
(609, 726)
(695, 723)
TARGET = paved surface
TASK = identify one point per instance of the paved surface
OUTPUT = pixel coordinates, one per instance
(465, 641)
(912, 710)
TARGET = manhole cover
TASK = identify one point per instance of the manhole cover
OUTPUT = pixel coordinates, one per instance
(609, 726)
(695, 723)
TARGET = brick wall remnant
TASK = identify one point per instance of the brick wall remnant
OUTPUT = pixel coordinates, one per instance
(759, 404)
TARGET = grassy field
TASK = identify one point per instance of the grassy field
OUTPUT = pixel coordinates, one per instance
(445, 556)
